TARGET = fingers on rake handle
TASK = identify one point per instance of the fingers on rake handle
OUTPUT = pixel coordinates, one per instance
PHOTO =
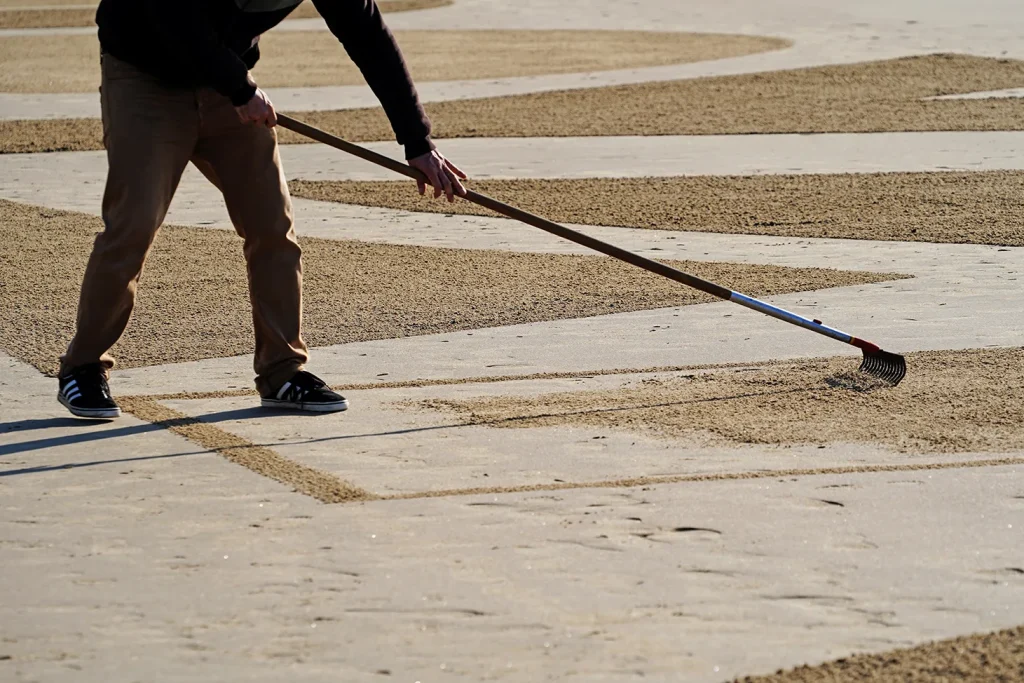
(888, 367)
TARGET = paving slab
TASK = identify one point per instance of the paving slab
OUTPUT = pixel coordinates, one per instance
(74, 180)
(223, 574)
(390, 445)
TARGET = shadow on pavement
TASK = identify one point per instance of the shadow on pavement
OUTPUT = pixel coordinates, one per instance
(67, 439)
(75, 465)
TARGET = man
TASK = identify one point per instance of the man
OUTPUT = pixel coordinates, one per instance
(176, 88)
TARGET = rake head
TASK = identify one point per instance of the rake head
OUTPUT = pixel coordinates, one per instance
(888, 367)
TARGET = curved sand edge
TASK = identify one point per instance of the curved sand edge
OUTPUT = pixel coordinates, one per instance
(38, 64)
(883, 96)
(979, 658)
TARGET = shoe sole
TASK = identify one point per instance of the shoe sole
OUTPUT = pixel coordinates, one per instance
(90, 413)
(335, 407)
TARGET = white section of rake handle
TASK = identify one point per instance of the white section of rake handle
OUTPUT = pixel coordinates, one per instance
(786, 316)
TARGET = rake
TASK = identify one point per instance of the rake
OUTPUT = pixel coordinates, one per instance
(886, 366)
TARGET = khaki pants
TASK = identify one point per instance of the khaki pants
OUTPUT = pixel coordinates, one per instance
(151, 132)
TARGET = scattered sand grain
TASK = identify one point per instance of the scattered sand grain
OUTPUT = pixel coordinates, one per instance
(950, 402)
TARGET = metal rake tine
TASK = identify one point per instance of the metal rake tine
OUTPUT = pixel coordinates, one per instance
(888, 367)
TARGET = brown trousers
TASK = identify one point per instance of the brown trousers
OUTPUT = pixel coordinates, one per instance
(151, 132)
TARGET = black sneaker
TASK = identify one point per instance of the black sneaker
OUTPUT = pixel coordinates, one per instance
(85, 393)
(306, 391)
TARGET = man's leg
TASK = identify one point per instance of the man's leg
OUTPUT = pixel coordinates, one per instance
(149, 132)
(242, 160)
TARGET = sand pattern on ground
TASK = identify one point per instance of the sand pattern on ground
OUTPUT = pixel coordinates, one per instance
(950, 402)
(328, 488)
(961, 208)
(858, 98)
(323, 486)
(36, 64)
(21, 14)
(983, 658)
(354, 291)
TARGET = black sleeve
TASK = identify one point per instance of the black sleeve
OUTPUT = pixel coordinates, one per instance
(359, 26)
(185, 27)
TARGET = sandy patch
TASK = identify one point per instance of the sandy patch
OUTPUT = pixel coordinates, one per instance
(47, 18)
(962, 208)
(982, 658)
(354, 291)
(51, 135)
(950, 402)
(858, 98)
(869, 97)
(314, 58)
(27, 13)
(41, 4)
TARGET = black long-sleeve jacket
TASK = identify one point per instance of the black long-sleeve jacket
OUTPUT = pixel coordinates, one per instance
(214, 43)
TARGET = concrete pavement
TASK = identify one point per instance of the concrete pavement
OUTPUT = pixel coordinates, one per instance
(130, 552)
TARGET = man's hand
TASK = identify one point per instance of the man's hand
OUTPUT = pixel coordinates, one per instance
(258, 110)
(442, 174)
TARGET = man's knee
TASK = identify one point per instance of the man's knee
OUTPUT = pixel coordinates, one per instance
(121, 253)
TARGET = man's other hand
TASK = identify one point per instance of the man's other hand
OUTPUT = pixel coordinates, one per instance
(258, 110)
(442, 174)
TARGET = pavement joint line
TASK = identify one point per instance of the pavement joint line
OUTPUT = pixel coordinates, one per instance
(709, 477)
(328, 488)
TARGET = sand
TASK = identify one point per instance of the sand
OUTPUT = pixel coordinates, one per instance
(985, 658)
(326, 487)
(354, 291)
(961, 208)
(47, 18)
(868, 97)
(23, 14)
(38, 4)
(36, 64)
(950, 402)
(51, 135)
(859, 98)
(317, 484)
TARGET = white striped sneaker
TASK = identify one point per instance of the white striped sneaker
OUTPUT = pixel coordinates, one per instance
(85, 393)
(306, 391)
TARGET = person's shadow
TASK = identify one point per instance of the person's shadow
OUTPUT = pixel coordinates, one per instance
(84, 435)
